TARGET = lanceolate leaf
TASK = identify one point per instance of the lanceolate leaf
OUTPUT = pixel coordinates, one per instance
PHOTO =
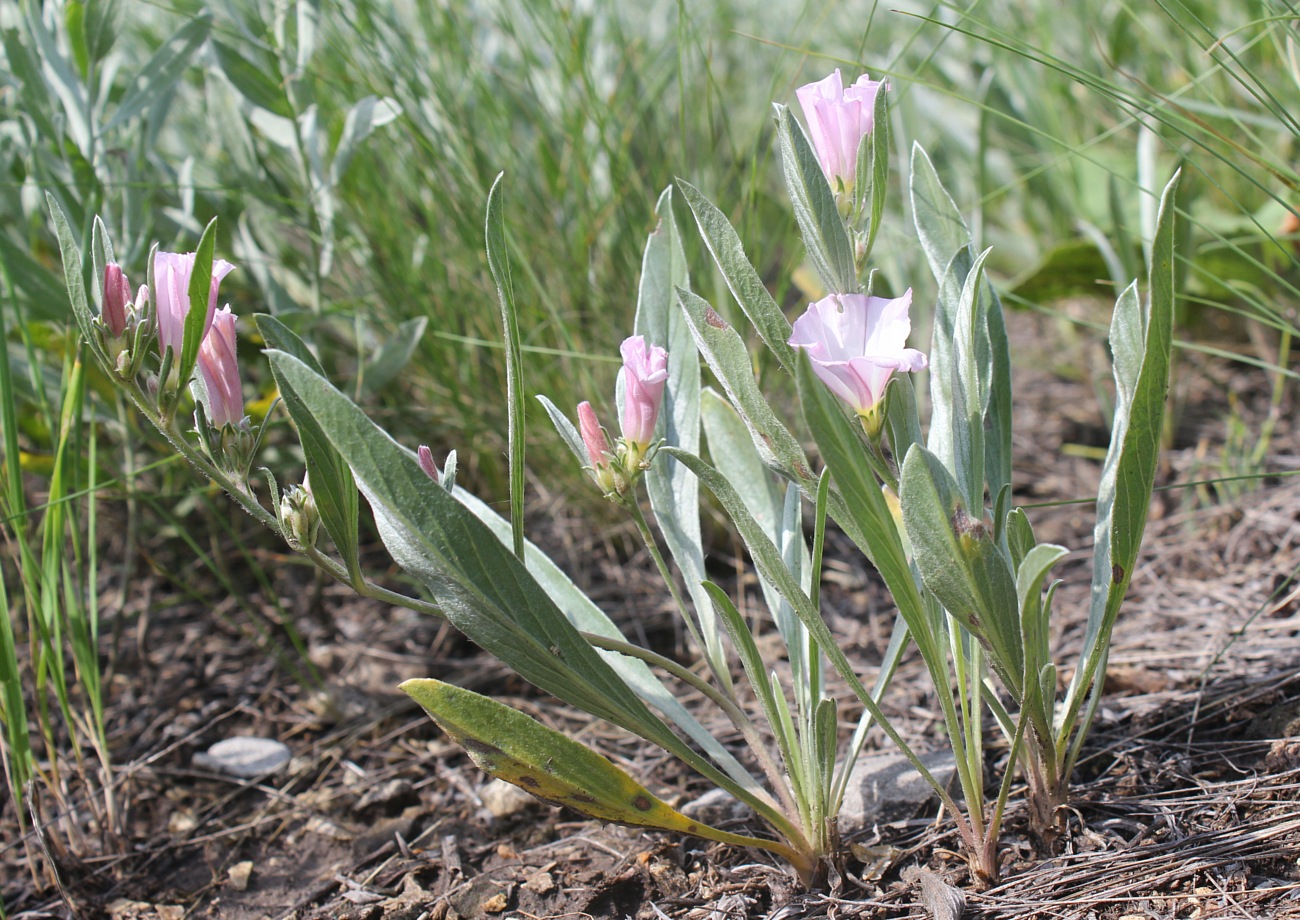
(819, 219)
(745, 284)
(484, 590)
(1141, 344)
(725, 353)
(768, 561)
(589, 618)
(159, 74)
(553, 767)
(331, 479)
(199, 292)
(674, 493)
(960, 562)
(947, 244)
(861, 508)
(499, 263)
(73, 275)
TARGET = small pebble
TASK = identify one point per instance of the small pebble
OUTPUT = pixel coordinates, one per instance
(244, 757)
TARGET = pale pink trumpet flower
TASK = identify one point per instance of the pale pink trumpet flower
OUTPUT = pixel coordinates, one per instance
(857, 343)
(838, 119)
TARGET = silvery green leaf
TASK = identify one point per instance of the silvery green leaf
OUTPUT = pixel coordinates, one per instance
(159, 74)
(332, 485)
(733, 453)
(74, 278)
(742, 279)
(768, 562)
(858, 503)
(252, 81)
(820, 223)
(947, 244)
(969, 390)
(960, 562)
(586, 616)
(484, 590)
(939, 225)
(1141, 341)
(674, 493)
(199, 293)
(725, 353)
(1020, 536)
(393, 355)
(499, 264)
(363, 118)
(61, 77)
(570, 434)
(1034, 634)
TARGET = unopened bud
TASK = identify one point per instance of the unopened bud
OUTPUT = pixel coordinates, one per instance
(299, 518)
(426, 462)
(117, 296)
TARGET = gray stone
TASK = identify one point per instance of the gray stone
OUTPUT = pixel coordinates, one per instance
(717, 806)
(246, 758)
(886, 787)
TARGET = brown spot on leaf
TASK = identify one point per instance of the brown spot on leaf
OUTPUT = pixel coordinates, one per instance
(691, 828)
(642, 803)
(966, 526)
(474, 746)
(583, 797)
(713, 319)
(1117, 573)
(528, 780)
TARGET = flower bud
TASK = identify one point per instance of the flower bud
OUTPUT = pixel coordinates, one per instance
(117, 297)
(603, 469)
(219, 366)
(172, 271)
(645, 371)
(426, 462)
(299, 518)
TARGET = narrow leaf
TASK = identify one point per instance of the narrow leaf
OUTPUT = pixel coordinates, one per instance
(331, 480)
(499, 263)
(815, 209)
(200, 292)
(160, 73)
(742, 279)
(512, 746)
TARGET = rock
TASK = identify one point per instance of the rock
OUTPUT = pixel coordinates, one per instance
(717, 806)
(246, 758)
(502, 799)
(886, 787)
(239, 875)
(387, 798)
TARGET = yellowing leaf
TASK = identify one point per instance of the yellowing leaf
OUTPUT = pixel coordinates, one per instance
(517, 748)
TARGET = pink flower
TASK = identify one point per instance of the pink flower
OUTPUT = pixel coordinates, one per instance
(593, 436)
(856, 343)
(645, 371)
(117, 295)
(838, 119)
(220, 368)
(171, 275)
(425, 457)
